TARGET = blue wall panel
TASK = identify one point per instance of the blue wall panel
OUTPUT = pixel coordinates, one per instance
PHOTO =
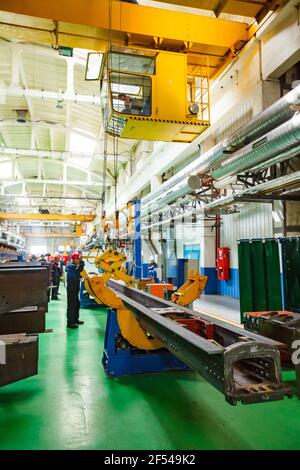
(231, 287)
(212, 282)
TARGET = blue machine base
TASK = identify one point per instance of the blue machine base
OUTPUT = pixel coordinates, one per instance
(85, 300)
(129, 361)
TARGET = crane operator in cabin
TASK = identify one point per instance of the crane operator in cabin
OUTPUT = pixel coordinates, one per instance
(73, 270)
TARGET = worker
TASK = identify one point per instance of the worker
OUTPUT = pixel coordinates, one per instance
(42, 259)
(132, 106)
(152, 270)
(73, 270)
(56, 273)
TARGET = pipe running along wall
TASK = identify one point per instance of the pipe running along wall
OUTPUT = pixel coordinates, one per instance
(272, 117)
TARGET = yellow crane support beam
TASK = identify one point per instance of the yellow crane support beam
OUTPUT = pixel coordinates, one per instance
(70, 217)
(251, 8)
(48, 235)
(127, 24)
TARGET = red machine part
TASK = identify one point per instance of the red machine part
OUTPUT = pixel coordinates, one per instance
(223, 263)
(199, 326)
(159, 289)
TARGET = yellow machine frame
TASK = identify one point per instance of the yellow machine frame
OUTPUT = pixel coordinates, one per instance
(174, 92)
(111, 262)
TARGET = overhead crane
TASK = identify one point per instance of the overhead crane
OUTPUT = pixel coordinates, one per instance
(156, 63)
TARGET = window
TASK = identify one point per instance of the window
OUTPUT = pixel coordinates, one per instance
(191, 252)
(132, 63)
(131, 94)
(94, 66)
(37, 250)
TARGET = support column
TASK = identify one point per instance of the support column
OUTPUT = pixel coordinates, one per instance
(208, 256)
(137, 245)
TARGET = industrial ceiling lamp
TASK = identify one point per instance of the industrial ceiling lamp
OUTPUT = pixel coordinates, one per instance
(94, 66)
(21, 115)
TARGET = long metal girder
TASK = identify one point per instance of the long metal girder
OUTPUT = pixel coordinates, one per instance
(48, 235)
(242, 365)
(120, 22)
(253, 8)
(71, 217)
(23, 286)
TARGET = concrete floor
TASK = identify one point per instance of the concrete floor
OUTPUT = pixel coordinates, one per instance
(219, 306)
(71, 404)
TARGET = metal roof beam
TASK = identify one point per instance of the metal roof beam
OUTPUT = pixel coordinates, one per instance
(48, 235)
(122, 157)
(9, 182)
(53, 156)
(69, 96)
(72, 217)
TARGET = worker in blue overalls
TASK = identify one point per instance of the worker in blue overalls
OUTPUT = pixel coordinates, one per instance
(73, 270)
(152, 269)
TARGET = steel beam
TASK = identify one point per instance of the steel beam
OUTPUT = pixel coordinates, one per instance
(49, 235)
(72, 217)
(122, 21)
(242, 365)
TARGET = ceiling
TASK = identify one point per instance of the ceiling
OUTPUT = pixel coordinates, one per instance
(54, 160)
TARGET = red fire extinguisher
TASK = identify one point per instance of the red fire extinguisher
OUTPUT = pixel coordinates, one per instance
(223, 263)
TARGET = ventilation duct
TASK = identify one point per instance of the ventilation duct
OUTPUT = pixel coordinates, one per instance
(280, 139)
(272, 117)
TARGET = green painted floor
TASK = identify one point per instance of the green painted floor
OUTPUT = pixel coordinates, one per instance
(71, 404)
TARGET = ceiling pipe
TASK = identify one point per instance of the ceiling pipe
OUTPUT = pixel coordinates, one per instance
(275, 142)
(263, 188)
(282, 157)
(272, 117)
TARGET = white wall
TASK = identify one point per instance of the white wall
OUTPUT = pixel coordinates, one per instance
(252, 221)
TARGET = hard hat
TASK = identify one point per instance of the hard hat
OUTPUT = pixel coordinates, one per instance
(151, 258)
(56, 258)
(76, 256)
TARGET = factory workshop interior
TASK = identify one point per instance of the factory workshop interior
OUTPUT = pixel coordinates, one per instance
(150, 225)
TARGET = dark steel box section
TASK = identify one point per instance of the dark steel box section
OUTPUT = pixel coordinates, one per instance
(21, 358)
(20, 287)
(25, 320)
(242, 365)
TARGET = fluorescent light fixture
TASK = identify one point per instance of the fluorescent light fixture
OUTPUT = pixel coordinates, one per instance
(93, 66)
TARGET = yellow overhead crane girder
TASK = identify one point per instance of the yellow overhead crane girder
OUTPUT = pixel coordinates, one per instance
(93, 24)
(66, 217)
(48, 235)
(249, 8)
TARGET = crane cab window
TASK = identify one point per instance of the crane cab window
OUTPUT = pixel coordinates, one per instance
(131, 63)
(131, 93)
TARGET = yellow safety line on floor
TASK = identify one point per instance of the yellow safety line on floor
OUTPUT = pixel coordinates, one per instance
(217, 317)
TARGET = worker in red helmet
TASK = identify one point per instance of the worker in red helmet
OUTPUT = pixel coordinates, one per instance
(73, 270)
